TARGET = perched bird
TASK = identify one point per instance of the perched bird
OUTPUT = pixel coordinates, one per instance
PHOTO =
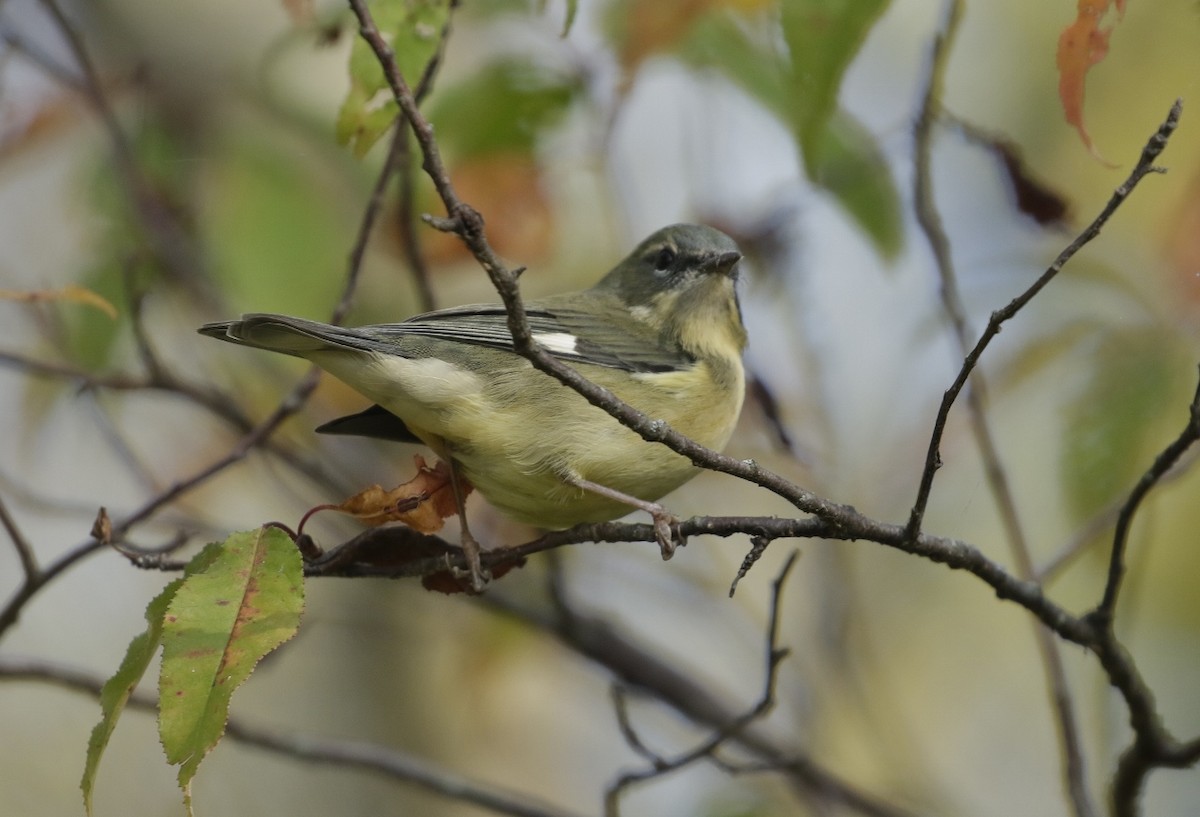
(662, 330)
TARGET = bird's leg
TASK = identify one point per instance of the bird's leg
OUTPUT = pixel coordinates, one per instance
(666, 524)
(470, 546)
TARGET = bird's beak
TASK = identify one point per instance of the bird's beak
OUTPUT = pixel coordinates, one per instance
(722, 263)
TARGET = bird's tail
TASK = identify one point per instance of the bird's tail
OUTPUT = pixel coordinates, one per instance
(281, 333)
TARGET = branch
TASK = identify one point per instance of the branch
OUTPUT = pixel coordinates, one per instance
(955, 554)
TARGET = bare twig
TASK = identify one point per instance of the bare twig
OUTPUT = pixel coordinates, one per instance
(953, 553)
(708, 748)
(1145, 165)
(406, 219)
(11, 611)
(367, 225)
(1162, 464)
(929, 218)
(406, 222)
(1153, 745)
(29, 563)
(646, 669)
(359, 755)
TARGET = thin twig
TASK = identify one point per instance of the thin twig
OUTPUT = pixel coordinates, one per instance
(929, 218)
(360, 755)
(406, 219)
(648, 670)
(1145, 165)
(1153, 745)
(709, 747)
(11, 611)
(406, 222)
(25, 553)
(1162, 464)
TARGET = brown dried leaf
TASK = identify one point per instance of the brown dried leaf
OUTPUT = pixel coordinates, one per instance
(102, 527)
(422, 503)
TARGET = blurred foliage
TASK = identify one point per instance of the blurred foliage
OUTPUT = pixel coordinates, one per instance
(801, 89)
(1129, 409)
(413, 29)
(276, 225)
(123, 265)
(505, 107)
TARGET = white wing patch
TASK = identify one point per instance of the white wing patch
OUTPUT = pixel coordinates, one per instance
(561, 342)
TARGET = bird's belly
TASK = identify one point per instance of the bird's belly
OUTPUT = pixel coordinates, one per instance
(533, 489)
(524, 468)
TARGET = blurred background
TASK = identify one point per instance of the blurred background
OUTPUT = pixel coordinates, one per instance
(256, 157)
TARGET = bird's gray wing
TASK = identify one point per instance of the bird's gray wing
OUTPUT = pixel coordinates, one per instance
(567, 332)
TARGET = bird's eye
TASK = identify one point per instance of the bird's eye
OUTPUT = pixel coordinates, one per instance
(664, 259)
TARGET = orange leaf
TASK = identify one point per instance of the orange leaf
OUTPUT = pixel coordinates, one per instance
(1080, 46)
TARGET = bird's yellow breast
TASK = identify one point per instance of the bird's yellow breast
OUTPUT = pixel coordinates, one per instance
(517, 452)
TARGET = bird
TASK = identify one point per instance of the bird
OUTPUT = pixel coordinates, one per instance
(662, 330)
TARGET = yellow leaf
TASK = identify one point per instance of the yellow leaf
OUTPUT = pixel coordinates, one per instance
(70, 293)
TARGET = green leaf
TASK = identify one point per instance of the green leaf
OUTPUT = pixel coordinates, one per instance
(572, 10)
(1134, 387)
(117, 689)
(223, 620)
(837, 152)
(822, 37)
(413, 29)
(847, 162)
(277, 237)
(724, 42)
(504, 107)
